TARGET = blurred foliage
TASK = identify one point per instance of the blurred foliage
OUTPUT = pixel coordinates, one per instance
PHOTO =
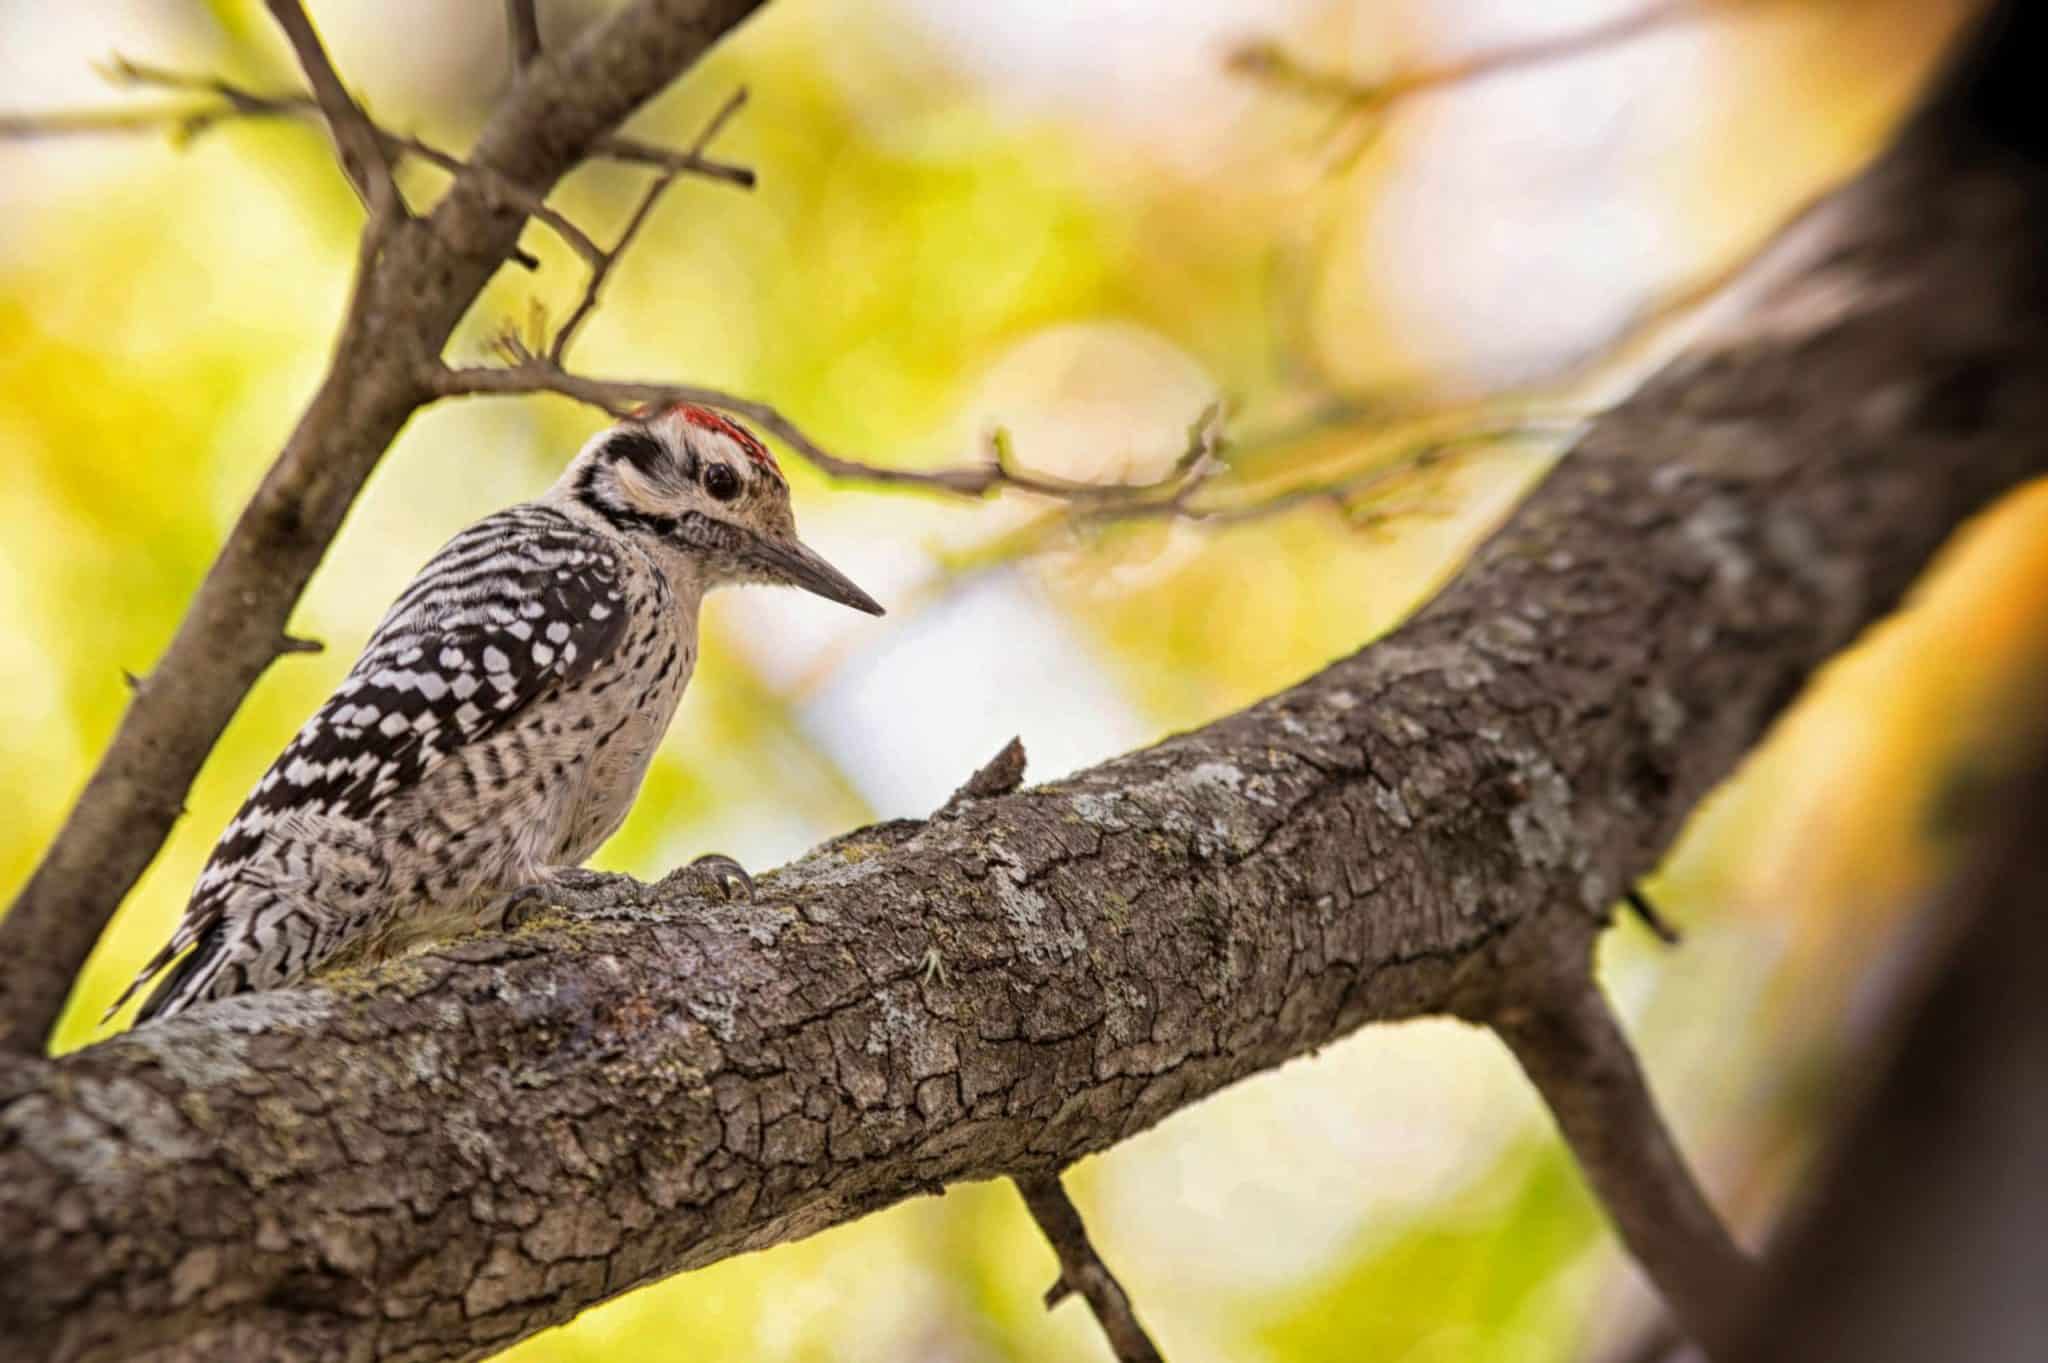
(937, 245)
(1476, 1277)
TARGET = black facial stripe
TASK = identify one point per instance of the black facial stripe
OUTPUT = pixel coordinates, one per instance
(639, 522)
(639, 449)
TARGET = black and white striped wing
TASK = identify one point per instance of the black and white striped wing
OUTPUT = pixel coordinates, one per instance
(518, 604)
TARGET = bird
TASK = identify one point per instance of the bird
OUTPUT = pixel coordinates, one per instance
(499, 722)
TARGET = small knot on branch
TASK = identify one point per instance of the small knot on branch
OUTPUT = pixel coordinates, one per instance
(1000, 775)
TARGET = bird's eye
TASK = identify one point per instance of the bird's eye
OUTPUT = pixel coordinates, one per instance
(721, 482)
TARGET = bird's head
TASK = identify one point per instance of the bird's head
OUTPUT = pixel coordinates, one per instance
(688, 482)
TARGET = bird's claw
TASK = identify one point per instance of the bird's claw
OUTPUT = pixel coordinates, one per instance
(595, 893)
(724, 875)
(578, 890)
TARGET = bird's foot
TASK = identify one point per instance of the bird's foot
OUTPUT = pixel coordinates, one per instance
(580, 891)
(601, 894)
(714, 873)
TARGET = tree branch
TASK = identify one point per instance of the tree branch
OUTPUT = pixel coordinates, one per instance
(1364, 103)
(1268, 61)
(407, 298)
(361, 154)
(635, 152)
(1572, 1048)
(236, 101)
(601, 265)
(228, 101)
(522, 28)
(529, 373)
(1082, 1269)
(1045, 1197)
(474, 1143)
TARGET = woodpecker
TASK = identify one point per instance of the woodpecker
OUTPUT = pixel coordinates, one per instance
(498, 724)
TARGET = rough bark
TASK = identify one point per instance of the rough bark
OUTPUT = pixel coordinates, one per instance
(417, 277)
(438, 1158)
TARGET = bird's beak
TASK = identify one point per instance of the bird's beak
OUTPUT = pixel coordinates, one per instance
(799, 566)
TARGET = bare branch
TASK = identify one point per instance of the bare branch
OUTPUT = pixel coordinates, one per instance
(1660, 927)
(1363, 104)
(225, 101)
(529, 373)
(601, 265)
(1082, 1269)
(185, 122)
(1173, 494)
(1572, 1048)
(236, 101)
(635, 152)
(522, 26)
(361, 153)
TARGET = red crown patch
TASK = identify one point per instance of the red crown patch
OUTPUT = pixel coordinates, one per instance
(704, 419)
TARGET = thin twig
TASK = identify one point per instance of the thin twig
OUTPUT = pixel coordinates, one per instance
(1266, 61)
(1344, 494)
(1082, 1269)
(601, 266)
(529, 373)
(1363, 105)
(1660, 927)
(522, 26)
(1171, 495)
(227, 100)
(632, 151)
(236, 101)
(1569, 1043)
(361, 150)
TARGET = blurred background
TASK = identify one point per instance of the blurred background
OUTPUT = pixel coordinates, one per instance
(1081, 224)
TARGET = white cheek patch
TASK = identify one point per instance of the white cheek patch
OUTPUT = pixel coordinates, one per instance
(648, 496)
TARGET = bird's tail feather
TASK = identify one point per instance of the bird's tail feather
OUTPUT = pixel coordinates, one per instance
(187, 977)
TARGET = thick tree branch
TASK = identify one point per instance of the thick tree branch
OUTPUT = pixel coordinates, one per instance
(1045, 1197)
(462, 1148)
(408, 296)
